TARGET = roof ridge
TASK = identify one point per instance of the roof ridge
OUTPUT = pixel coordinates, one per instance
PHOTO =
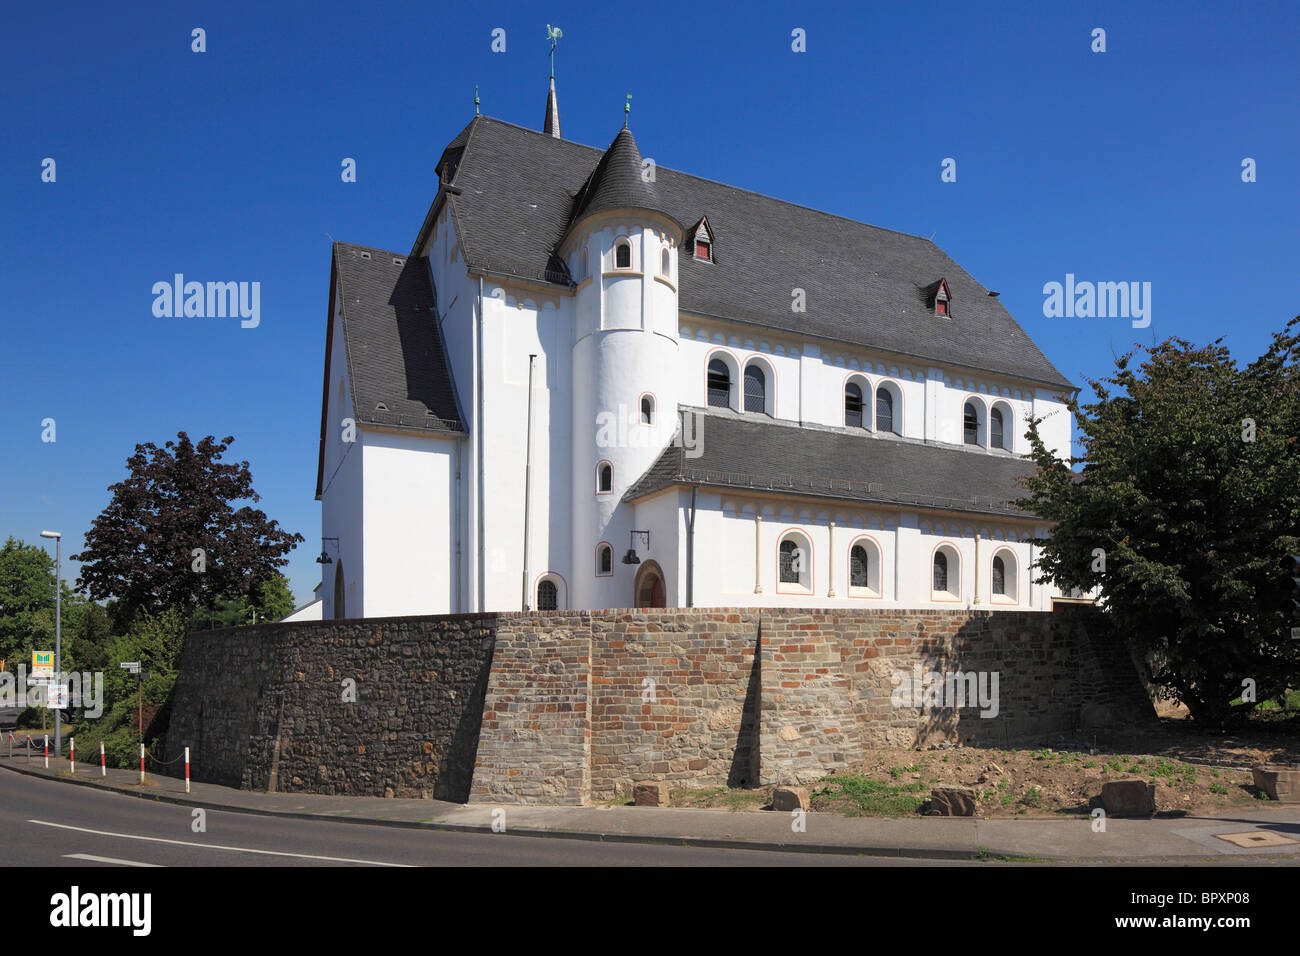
(719, 182)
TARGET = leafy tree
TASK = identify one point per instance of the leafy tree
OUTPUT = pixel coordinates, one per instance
(1183, 514)
(176, 500)
(26, 601)
(274, 600)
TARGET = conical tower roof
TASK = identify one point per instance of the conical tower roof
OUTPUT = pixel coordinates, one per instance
(618, 182)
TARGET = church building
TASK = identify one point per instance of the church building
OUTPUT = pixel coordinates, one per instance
(594, 382)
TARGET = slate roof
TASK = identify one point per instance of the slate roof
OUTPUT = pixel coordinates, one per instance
(617, 182)
(396, 357)
(748, 452)
(516, 192)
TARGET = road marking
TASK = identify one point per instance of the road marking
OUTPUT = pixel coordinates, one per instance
(106, 859)
(213, 846)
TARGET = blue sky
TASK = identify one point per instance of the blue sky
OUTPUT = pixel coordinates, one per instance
(225, 165)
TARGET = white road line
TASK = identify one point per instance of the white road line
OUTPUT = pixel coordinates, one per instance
(213, 846)
(106, 859)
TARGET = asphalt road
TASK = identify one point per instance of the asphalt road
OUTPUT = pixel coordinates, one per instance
(48, 823)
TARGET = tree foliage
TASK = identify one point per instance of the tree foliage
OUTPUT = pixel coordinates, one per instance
(1183, 515)
(171, 537)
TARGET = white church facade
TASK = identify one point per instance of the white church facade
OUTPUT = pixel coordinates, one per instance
(594, 383)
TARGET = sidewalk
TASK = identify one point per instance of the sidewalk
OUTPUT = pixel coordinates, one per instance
(1173, 839)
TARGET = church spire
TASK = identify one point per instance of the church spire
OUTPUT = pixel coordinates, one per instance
(552, 125)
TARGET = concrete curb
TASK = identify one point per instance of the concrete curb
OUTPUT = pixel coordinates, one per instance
(837, 849)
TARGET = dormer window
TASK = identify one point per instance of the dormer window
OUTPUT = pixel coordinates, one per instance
(940, 298)
(702, 241)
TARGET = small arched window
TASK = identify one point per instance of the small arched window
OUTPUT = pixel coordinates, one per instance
(623, 255)
(853, 405)
(719, 384)
(547, 596)
(604, 559)
(940, 571)
(884, 410)
(647, 410)
(859, 567)
(971, 425)
(999, 575)
(995, 428)
(604, 478)
(755, 389)
(665, 262)
(794, 562)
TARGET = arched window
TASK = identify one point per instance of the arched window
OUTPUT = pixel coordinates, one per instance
(859, 567)
(547, 596)
(623, 255)
(665, 262)
(794, 561)
(647, 410)
(719, 384)
(604, 478)
(755, 389)
(971, 425)
(1005, 577)
(604, 560)
(940, 571)
(884, 410)
(853, 405)
(995, 428)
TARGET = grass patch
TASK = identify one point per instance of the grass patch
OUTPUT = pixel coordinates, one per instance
(861, 796)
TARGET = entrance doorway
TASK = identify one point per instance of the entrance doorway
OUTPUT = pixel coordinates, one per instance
(648, 588)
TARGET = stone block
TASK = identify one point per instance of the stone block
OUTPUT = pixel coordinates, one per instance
(1280, 783)
(650, 793)
(1128, 798)
(951, 802)
(790, 798)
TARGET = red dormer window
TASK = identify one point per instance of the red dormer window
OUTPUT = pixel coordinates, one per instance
(702, 236)
(941, 298)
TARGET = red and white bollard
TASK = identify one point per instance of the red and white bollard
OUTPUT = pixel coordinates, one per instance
(142, 764)
(72, 754)
(103, 769)
(47, 751)
(187, 769)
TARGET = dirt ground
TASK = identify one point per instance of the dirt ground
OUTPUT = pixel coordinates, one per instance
(1193, 771)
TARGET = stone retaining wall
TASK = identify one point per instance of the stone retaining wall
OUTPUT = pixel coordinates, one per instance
(572, 707)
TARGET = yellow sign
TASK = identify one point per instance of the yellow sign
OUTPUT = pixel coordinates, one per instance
(42, 662)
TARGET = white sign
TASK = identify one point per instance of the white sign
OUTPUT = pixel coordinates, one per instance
(57, 696)
(42, 662)
(132, 666)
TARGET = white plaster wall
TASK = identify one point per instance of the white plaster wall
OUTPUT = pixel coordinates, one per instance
(409, 547)
(342, 500)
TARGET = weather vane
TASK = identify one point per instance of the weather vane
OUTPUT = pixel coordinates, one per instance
(476, 99)
(553, 34)
(627, 108)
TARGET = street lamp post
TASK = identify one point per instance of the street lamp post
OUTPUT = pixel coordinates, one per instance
(58, 632)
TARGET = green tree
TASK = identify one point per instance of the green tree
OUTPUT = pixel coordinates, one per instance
(1185, 509)
(171, 537)
(26, 601)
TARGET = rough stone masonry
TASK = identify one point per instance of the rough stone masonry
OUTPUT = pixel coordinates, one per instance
(572, 707)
